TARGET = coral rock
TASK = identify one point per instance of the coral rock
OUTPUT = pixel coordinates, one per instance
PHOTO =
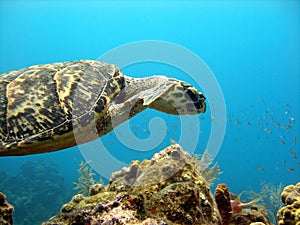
(168, 189)
(290, 194)
(6, 211)
(290, 213)
(172, 187)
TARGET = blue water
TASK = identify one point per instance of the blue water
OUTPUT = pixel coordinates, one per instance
(251, 47)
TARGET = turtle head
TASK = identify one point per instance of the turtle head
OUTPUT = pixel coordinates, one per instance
(161, 93)
(179, 98)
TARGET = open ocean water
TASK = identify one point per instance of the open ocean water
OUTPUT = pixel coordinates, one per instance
(251, 47)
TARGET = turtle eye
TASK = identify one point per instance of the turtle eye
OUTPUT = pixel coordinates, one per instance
(192, 95)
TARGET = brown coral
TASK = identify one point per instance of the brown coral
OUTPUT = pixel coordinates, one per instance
(290, 213)
(290, 194)
(222, 197)
(6, 210)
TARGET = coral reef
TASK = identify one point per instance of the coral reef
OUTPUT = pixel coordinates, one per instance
(168, 189)
(290, 213)
(35, 192)
(6, 211)
(269, 197)
(234, 212)
(85, 180)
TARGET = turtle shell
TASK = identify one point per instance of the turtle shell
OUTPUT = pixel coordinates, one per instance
(41, 106)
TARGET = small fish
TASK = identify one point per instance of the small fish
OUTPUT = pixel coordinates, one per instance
(292, 119)
(248, 123)
(275, 122)
(282, 142)
(294, 140)
(268, 130)
(288, 127)
(292, 153)
(237, 122)
(261, 168)
(290, 169)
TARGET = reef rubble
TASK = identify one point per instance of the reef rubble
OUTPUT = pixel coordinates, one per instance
(167, 189)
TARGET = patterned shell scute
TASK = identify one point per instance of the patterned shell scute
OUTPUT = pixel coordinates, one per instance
(41, 101)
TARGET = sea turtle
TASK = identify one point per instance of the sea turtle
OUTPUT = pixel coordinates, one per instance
(50, 107)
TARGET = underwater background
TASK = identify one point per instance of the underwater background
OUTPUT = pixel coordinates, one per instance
(252, 48)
